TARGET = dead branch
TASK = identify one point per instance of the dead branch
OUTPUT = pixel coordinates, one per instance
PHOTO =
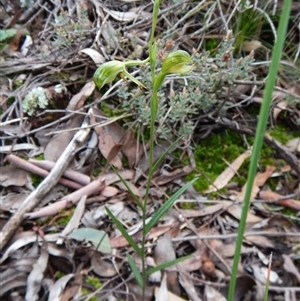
(50, 181)
(32, 168)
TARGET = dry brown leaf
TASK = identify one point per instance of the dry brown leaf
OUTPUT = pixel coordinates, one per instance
(163, 253)
(211, 294)
(120, 241)
(57, 289)
(10, 175)
(168, 177)
(162, 293)
(15, 276)
(192, 264)
(102, 267)
(260, 241)
(97, 57)
(58, 143)
(12, 201)
(79, 99)
(248, 46)
(109, 191)
(260, 179)
(113, 154)
(290, 267)
(23, 239)
(143, 165)
(107, 145)
(282, 222)
(293, 145)
(236, 211)
(279, 108)
(189, 287)
(223, 179)
(267, 195)
(15, 42)
(74, 221)
(36, 276)
(115, 130)
(136, 291)
(109, 137)
(209, 210)
(72, 289)
(131, 186)
(132, 148)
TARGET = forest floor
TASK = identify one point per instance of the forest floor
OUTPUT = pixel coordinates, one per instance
(61, 137)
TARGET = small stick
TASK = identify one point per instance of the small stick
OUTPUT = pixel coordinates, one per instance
(70, 174)
(49, 182)
(71, 199)
(32, 168)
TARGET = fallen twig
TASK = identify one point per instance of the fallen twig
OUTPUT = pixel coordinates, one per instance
(50, 181)
(67, 201)
(70, 174)
(35, 169)
(94, 187)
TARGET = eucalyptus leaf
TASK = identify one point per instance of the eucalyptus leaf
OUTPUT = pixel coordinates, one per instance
(97, 237)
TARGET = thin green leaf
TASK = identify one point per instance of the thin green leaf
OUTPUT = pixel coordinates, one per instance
(167, 205)
(124, 232)
(129, 189)
(97, 237)
(135, 271)
(258, 141)
(162, 156)
(268, 278)
(167, 264)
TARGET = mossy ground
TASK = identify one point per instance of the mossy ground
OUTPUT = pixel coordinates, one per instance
(94, 283)
(65, 216)
(213, 154)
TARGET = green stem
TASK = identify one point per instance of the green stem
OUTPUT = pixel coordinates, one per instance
(133, 63)
(153, 109)
(136, 81)
(261, 127)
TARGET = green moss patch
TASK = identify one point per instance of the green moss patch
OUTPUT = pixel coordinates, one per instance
(212, 153)
(211, 156)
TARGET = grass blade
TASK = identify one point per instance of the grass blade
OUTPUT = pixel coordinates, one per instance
(129, 189)
(124, 232)
(167, 205)
(261, 127)
(135, 271)
(167, 264)
(268, 279)
(162, 156)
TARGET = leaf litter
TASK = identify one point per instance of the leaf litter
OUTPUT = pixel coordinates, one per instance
(46, 257)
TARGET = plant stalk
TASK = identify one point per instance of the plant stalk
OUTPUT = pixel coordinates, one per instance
(261, 127)
(153, 108)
